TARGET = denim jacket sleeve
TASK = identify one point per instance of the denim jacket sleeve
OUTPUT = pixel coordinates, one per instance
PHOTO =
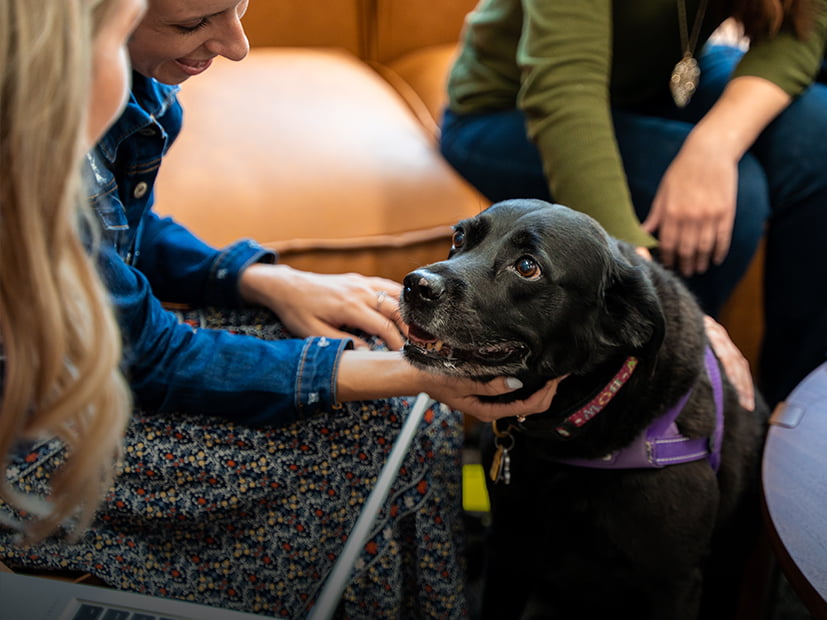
(174, 367)
(184, 269)
(122, 171)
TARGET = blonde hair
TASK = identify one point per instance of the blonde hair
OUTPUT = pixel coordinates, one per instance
(60, 339)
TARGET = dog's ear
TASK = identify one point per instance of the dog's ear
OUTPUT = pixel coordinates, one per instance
(633, 314)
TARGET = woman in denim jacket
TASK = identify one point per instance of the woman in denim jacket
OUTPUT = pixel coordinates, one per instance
(253, 451)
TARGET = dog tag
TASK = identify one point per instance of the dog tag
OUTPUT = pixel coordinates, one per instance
(501, 464)
(505, 470)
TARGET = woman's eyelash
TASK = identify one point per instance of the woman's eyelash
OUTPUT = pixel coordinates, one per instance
(197, 26)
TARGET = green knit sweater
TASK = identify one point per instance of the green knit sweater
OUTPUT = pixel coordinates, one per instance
(563, 62)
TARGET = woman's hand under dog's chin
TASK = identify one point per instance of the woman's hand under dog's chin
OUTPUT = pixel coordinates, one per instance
(368, 375)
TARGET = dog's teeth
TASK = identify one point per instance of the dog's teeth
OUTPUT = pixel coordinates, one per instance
(438, 345)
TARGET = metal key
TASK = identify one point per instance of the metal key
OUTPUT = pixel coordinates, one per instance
(496, 464)
(501, 464)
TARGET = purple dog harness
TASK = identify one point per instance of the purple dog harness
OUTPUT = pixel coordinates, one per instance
(661, 444)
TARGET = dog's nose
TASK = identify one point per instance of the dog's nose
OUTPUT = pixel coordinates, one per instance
(424, 285)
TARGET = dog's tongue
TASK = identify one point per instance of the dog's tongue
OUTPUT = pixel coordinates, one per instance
(420, 335)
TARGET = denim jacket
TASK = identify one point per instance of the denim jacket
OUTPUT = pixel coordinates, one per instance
(145, 258)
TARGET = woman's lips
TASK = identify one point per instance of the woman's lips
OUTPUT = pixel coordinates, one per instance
(193, 67)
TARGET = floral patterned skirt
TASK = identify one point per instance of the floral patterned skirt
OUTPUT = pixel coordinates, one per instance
(254, 518)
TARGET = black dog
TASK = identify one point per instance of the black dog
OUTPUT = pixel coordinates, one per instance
(635, 494)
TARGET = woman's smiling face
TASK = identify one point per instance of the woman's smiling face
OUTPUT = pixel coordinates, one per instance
(179, 38)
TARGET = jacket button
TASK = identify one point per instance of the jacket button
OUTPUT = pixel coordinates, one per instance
(140, 190)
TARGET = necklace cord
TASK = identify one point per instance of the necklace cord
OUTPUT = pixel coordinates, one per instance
(689, 43)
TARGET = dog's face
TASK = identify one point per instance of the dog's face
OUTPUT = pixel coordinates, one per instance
(531, 290)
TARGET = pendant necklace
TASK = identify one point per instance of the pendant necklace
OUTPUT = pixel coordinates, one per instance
(685, 75)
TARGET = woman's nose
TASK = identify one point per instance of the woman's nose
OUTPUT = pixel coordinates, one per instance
(231, 40)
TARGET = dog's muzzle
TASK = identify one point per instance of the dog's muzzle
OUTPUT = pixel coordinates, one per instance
(438, 336)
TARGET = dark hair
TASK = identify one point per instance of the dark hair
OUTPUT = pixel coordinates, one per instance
(762, 19)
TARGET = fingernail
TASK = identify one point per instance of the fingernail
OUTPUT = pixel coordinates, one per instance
(513, 382)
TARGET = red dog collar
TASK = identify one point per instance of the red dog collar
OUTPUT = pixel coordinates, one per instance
(599, 402)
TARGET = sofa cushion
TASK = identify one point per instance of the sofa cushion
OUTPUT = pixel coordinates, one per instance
(318, 158)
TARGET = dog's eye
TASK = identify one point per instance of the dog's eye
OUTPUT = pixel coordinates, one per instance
(527, 267)
(458, 240)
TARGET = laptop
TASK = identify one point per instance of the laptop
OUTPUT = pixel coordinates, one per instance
(23, 597)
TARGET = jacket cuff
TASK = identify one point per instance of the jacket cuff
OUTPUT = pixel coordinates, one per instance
(316, 376)
(227, 268)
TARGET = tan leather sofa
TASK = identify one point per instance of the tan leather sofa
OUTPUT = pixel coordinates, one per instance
(322, 143)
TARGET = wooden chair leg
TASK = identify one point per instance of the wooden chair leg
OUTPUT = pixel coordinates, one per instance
(760, 582)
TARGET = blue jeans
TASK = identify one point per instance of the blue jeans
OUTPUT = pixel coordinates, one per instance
(782, 193)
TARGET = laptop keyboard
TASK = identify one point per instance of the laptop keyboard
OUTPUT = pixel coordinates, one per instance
(88, 611)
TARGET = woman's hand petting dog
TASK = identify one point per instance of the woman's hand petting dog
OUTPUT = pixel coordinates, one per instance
(735, 364)
(313, 304)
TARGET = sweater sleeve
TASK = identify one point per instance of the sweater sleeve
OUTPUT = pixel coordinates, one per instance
(565, 57)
